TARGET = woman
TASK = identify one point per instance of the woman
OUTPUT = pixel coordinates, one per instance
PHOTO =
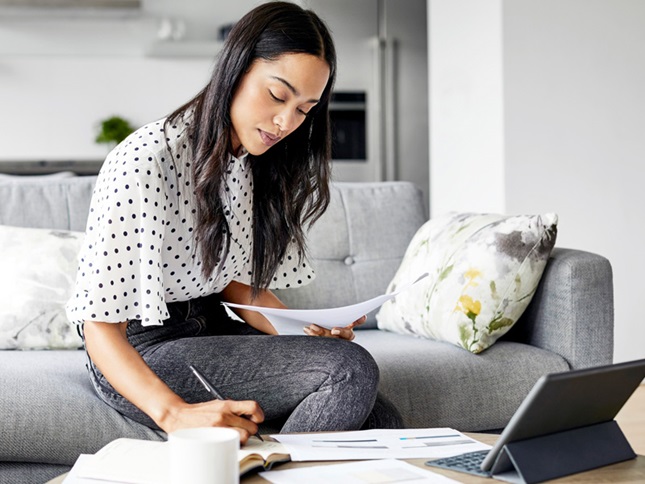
(211, 205)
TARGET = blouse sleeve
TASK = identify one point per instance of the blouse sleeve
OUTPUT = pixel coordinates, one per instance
(120, 272)
(295, 270)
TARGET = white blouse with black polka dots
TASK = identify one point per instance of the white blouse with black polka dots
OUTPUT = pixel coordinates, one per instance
(139, 250)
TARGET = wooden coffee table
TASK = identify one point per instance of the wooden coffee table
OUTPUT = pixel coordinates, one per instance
(628, 472)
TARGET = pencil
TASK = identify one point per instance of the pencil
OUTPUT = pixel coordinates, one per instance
(209, 386)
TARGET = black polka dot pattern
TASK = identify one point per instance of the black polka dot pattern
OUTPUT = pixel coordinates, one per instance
(139, 250)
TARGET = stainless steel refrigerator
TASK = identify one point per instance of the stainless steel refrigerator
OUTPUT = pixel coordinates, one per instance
(382, 53)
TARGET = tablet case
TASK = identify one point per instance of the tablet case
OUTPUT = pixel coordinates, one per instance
(556, 455)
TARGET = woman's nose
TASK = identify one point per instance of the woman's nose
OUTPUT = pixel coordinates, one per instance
(284, 120)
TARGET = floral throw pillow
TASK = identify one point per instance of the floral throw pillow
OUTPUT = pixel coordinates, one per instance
(38, 268)
(484, 270)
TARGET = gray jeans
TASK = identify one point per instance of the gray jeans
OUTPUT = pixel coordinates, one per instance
(302, 383)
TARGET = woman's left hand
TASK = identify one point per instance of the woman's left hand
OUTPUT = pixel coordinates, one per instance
(346, 332)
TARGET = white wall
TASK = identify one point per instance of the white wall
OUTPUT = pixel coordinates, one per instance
(466, 106)
(51, 107)
(575, 134)
(573, 103)
(59, 78)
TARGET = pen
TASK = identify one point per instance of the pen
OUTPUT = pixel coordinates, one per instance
(209, 386)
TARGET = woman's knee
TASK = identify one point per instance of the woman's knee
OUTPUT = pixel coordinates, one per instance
(358, 364)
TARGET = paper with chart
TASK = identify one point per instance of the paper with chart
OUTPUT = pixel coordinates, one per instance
(386, 471)
(379, 444)
(291, 321)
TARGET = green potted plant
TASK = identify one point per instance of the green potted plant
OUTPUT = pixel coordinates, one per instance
(113, 130)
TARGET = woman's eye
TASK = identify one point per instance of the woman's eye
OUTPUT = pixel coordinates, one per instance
(280, 100)
(275, 98)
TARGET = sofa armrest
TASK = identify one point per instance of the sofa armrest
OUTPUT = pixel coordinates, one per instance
(572, 312)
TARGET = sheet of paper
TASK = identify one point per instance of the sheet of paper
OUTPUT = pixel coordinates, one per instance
(291, 321)
(379, 444)
(73, 477)
(387, 471)
(139, 462)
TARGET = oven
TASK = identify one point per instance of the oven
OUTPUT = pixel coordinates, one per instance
(348, 110)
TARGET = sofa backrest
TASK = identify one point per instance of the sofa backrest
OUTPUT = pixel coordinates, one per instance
(46, 202)
(356, 247)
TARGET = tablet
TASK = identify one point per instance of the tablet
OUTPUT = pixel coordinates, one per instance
(569, 400)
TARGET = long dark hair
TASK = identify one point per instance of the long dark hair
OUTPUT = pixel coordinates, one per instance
(291, 179)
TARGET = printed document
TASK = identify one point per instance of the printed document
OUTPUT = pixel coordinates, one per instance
(291, 321)
(379, 444)
(387, 471)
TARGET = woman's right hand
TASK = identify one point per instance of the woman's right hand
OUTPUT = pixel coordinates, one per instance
(241, 415)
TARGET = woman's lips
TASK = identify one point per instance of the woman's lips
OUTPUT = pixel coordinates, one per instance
(268, 139)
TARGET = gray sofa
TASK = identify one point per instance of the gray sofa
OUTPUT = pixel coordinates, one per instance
(49, 413)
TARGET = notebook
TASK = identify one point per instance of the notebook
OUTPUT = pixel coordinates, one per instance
(145, 462)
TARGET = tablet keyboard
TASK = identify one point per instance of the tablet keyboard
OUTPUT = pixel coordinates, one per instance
(469, 463)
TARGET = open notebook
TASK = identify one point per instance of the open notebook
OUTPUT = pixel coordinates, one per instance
(146, 462)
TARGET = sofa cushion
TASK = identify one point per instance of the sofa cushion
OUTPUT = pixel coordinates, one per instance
(24, 472)
(50, 413)
(46, 202)
(437, 384)
(38, 271)
(484, 270)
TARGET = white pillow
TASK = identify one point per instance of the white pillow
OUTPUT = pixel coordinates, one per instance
(38, 268)
(484, 270)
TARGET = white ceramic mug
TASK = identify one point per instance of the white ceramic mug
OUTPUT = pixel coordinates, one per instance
(206, 455)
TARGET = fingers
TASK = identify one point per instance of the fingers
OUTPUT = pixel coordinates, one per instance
(343, 333)
(358, 322)
(313, 330)
(346, 333)
(249, 409)
(242, 416)
(244, 427)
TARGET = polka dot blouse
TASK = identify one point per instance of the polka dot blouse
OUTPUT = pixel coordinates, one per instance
(139, 250)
